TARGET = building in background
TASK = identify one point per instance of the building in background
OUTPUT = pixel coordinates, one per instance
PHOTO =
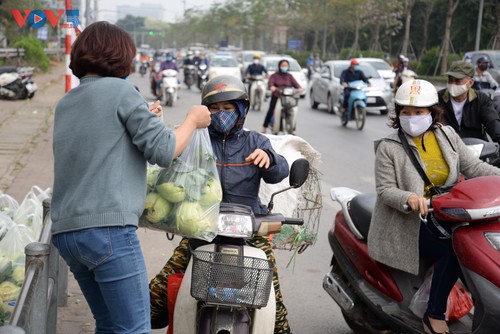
(143, 10)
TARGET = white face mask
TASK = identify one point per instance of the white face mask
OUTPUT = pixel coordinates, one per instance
(415, 125)
(256, 61)
(456, 90)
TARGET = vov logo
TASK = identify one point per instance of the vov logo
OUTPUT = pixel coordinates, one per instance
(38, 18)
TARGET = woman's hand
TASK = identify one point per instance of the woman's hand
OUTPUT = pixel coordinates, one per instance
(418, 203)
(259, 158)
(156, 108)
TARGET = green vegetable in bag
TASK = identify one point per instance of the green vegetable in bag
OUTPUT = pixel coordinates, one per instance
(171, 192)
(156, 208)
(9, 291)
(189, 217)
(211, 194)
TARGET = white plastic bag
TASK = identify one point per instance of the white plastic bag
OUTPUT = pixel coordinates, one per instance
(8, 205)
(418, 304)
(184, 199)
(30, 212)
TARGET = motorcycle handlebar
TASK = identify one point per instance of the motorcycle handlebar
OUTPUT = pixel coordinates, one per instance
(293, 221)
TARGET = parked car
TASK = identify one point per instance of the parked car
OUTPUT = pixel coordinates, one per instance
(271, 64)
(493, 56)
(383, 68)
(326, 89)
(245, 58)
(223, 65)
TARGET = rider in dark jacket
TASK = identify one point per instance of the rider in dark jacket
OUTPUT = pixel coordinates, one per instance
(243, 158)
(469, 112)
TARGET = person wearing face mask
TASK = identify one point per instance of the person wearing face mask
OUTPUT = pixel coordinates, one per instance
(470, 112)
(483, 78)
(400, 238)
(352, 73)
(253, 70)
(244, 158)
(277, 81)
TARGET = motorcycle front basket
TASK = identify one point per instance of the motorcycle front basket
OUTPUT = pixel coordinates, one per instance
(232, 280)
(289, 101)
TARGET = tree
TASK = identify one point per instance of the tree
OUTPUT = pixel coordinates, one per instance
(407, 9)
(452, 6)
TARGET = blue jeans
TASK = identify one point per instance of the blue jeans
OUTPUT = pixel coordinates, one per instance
(109, 266)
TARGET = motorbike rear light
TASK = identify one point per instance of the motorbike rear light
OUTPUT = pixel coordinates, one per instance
(235, 225)
(456, 213)
(494, 239)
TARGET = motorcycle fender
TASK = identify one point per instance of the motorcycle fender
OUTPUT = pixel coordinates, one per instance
(360, 103)
(185, 313)
(31, 87)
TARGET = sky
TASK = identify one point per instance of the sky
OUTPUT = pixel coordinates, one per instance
(174, 9)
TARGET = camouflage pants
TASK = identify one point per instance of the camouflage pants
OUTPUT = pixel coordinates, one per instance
(178, 264)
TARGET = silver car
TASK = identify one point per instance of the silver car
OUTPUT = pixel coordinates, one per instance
(326, 89)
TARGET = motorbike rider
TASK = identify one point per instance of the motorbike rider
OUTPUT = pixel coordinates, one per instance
(350, 74)
(468, 111)
(188, 60)
(253, 70)
(483, 78)
(403, 65)
(246, 157)
(398, 238)
(168, 64)
(314, 64)
(278, 80)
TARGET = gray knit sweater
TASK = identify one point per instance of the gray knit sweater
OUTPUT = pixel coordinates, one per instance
(103, 136)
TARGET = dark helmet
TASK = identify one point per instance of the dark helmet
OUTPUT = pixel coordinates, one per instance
(483, 59)
(225, 88)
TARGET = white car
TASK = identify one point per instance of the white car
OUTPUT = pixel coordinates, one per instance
(223, 65)
(271, 65)
(383, 68)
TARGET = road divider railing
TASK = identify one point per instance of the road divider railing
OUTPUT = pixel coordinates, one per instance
(44, 287)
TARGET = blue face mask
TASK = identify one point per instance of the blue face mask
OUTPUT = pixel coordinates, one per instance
(169, 58)
(283, 69)
(356, 68)
(223, 121)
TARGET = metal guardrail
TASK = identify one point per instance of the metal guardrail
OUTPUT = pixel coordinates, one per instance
(44, 287)
(12, 53)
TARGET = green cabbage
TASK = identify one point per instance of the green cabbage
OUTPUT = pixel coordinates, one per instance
(171, 192)
(189, 218)
(211, 194)
(9, 291)
(152, 177)
(156, 208)
(18, 275)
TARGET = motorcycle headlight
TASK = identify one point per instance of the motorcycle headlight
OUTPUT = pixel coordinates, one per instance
(494, 239)
(235, 225)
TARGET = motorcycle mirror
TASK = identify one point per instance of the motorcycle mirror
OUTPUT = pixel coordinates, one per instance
(299, 173)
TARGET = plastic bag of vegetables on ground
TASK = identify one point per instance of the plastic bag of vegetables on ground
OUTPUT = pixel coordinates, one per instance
(19, 225)
(184, 198)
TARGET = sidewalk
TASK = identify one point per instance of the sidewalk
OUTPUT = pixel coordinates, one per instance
(26, 160)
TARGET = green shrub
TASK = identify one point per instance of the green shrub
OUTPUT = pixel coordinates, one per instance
(34, 54)
(430, 59)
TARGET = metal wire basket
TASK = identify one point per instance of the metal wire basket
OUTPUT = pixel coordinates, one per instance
(289, 101)
(233, 280)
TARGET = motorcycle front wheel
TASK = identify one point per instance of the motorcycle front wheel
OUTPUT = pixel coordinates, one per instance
(359, 117)
(277, 124)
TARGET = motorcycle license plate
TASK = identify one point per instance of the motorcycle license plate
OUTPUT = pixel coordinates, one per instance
(371, 100)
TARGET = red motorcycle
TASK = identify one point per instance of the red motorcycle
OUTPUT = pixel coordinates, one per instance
(375, 298)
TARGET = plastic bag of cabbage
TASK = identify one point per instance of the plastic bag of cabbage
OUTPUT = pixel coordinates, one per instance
(184, 198)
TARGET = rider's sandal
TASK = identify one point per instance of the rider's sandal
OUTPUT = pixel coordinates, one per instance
(428, 327)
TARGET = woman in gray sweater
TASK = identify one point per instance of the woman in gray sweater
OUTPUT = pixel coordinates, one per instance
(398, 238)
(104, 135)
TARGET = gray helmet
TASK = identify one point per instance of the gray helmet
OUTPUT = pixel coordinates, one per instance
(224, 88)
